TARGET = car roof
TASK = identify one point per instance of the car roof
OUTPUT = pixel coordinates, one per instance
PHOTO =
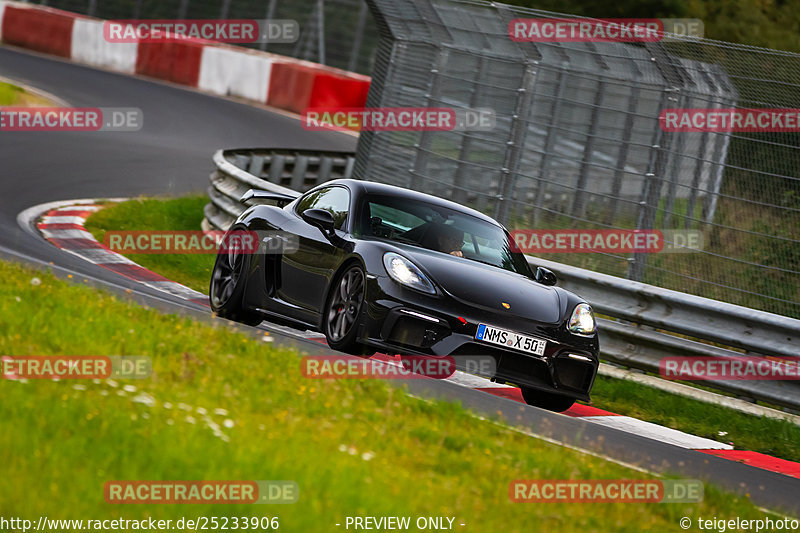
(372, 187)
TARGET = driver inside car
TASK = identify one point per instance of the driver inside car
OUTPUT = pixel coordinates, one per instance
(450, 240)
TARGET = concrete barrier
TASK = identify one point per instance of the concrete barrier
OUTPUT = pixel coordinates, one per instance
(228, 71)
(178, 62)
(40, 29)
(89, 46)
(2, 10)
(282, 82)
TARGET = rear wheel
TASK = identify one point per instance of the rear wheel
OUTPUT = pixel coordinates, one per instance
(545, 400)
(227, 287)
(343, 310)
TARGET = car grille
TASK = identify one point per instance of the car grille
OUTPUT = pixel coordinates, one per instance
(523, 369)
(516, 367)
(574, 374)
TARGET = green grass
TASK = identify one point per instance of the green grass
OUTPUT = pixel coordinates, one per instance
(402, 456)
(773, 437)
(145, 214)
(779, 438)
(9, 94)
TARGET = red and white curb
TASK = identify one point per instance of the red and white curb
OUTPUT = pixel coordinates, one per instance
(281, 82)
(624, 423)
(62, 224)
(63, 227)
(660, 433)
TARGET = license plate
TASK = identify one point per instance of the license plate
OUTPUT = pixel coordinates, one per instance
(510, 339)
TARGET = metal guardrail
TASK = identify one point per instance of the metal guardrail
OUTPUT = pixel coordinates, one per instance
(290, 172)
(650, 323)
(646, 323)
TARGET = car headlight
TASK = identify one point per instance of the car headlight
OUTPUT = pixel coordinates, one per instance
(582, 320)
(406, 273)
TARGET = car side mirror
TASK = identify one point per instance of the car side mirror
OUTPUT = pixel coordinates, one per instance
(320, 218)
(545, 276)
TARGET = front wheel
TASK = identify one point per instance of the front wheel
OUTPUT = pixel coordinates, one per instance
(546, 400)
(227, 287)
(343, 310)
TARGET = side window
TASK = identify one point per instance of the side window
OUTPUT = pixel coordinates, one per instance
(335, 200)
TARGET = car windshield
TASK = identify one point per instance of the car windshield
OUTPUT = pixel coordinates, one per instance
(427, 225)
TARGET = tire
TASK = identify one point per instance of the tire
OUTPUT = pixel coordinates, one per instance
(227, 287)
(546, 400)
(342, 311)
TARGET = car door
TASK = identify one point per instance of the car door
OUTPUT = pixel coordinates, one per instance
(305, 274)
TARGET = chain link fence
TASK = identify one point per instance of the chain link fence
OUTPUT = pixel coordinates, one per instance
(338, 33)
(578, 143)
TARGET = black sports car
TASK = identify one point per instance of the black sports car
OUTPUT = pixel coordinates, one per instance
(378, 267)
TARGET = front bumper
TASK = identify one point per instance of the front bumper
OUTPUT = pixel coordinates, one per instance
(400, 320)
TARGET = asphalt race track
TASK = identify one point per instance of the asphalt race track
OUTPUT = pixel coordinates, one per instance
(172, 155)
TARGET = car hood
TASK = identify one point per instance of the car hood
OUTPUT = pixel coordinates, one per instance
(489, 287)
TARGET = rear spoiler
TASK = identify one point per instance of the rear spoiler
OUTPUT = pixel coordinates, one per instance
(256, 194)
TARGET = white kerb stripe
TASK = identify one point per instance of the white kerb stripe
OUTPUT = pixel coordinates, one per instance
(80, 208)
(176, 289)
(63, 220)
(474, 382)
(656, 432)
(100, 256)
(66, 234)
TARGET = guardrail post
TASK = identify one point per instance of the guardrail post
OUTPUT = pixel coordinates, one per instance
(299, 172)
(579, 200)
(651, 189)
(673, 175)
(270, 16)
(276, 166)
(519, 128)
(183, 9)
(622, 155)
(549, 143)
(352, 63)
(223, 10)
(721, 141)
(459, 189)
(698, 173)
(433, 98)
